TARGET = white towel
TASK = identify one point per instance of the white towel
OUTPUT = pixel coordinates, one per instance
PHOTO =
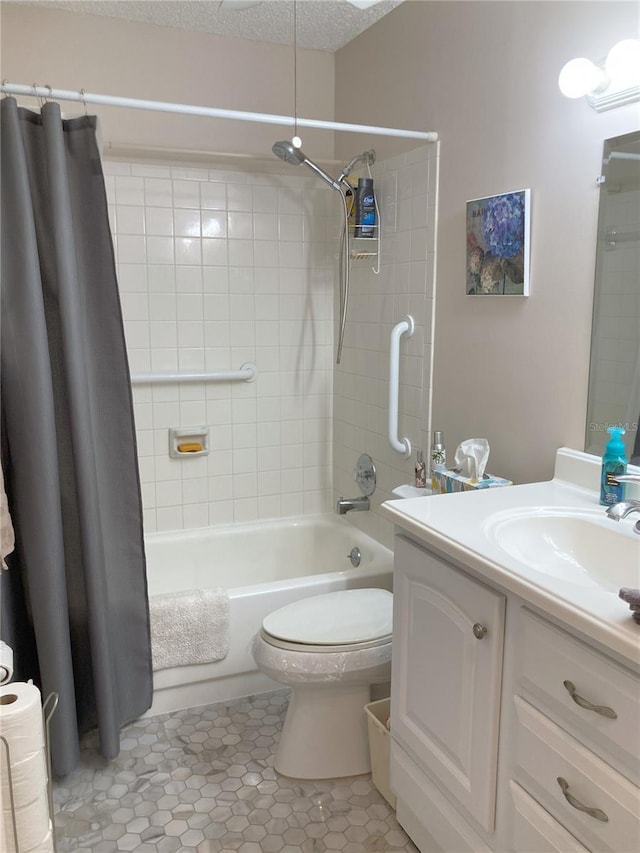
(7, 539)
(189, 627)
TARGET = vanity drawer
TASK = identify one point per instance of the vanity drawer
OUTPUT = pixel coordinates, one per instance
(552, 665)
(533, 830)
(545, 754)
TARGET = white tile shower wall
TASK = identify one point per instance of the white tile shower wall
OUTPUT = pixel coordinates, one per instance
(406, 191)
(217, 268)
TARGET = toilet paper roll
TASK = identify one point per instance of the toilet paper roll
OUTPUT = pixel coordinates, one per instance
(22, 728)
(21, 720)
(6, 663)
(28, 779)
(32, 823)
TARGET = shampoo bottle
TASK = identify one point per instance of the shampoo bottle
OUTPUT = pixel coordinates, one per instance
(614, 464)
(365, 209)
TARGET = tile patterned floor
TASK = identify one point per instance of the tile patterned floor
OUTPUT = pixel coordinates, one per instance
(202, 781)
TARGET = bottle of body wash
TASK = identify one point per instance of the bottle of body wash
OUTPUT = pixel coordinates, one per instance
(614, 464)
(438, 460)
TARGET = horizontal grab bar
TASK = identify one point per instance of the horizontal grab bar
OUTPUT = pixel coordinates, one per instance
(247, 373)
(406, 326)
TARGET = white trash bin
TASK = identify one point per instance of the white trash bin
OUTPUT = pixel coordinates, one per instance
(379, 746)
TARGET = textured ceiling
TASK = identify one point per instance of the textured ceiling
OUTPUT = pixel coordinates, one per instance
(321, 24)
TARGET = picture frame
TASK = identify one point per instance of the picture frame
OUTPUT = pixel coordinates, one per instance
(498, 238)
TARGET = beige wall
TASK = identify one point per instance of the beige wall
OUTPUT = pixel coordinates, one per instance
(484, 76)
(117, 57)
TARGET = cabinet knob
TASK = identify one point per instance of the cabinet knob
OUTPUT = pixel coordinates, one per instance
(479, 631)
(603, 710)
(598, 814)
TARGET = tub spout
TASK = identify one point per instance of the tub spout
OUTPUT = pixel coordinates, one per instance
(344, 505)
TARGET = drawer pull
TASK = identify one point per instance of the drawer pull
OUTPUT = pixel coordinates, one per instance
(598, 814)
(589, 706)
(479, 631)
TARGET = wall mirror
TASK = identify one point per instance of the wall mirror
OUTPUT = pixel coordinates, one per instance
(614, 373)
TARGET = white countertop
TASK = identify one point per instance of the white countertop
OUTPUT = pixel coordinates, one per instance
(457, 526)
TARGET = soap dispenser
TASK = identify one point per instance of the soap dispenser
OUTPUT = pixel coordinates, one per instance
(614, 464)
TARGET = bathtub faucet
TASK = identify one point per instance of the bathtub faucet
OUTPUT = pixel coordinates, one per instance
(344, 505)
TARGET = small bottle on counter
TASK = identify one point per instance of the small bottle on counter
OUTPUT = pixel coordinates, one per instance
(614, 464)
(438, 460)
(421, 471)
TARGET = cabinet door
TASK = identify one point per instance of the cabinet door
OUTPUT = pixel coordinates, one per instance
(447, 675)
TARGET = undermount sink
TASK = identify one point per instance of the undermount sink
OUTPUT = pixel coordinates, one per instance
(584, 547)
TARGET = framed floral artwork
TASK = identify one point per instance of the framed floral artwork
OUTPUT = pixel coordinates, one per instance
(498, 244)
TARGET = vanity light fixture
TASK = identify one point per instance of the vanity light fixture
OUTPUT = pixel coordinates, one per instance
(607, 83)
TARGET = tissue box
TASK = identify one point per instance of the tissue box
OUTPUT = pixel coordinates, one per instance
(449, 481)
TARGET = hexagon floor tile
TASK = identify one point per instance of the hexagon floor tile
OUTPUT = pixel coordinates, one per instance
(202, 781)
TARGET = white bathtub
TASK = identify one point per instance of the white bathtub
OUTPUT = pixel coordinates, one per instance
(264, 565)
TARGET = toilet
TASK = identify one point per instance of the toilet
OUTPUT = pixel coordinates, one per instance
(329, 649)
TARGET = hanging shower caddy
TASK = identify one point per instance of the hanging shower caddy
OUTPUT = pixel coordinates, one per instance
(365, 248)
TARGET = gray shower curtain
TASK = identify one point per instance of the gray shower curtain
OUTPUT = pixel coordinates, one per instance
(75, 596)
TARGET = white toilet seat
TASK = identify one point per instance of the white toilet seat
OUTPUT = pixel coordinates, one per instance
(345, 620)
(310, 648)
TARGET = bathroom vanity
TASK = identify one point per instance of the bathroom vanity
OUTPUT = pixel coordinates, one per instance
(516, 669)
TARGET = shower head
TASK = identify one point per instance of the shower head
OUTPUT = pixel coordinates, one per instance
(290, 154)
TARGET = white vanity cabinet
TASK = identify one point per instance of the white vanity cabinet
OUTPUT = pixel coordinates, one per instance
(447, 670)
(509, 732)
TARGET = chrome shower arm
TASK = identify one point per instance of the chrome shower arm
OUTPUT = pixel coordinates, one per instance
(368, 157)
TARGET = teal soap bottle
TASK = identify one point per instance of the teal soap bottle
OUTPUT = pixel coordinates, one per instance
(614, 464)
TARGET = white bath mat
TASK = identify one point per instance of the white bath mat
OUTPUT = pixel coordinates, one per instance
(189, 627)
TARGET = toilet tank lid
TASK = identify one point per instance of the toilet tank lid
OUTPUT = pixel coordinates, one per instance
(334, 618)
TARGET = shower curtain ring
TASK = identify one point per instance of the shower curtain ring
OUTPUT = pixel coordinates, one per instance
(50, 97)
(3, 87)
(36, 95)
(84, 103)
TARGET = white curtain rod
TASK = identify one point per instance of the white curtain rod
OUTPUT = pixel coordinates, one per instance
(47, 93)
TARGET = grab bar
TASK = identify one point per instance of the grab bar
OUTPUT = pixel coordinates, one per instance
(404, 327)
(247, 373)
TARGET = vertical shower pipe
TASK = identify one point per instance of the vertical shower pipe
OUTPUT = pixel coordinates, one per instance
(404, 327)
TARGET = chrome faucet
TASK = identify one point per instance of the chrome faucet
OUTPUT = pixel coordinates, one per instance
(345, 505)
(624, 508)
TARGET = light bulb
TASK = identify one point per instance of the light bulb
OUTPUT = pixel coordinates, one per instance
(296, 142)
(623, 63)
(579, 77)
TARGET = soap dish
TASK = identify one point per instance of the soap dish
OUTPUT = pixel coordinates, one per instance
(188, 442)
(408, 491)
